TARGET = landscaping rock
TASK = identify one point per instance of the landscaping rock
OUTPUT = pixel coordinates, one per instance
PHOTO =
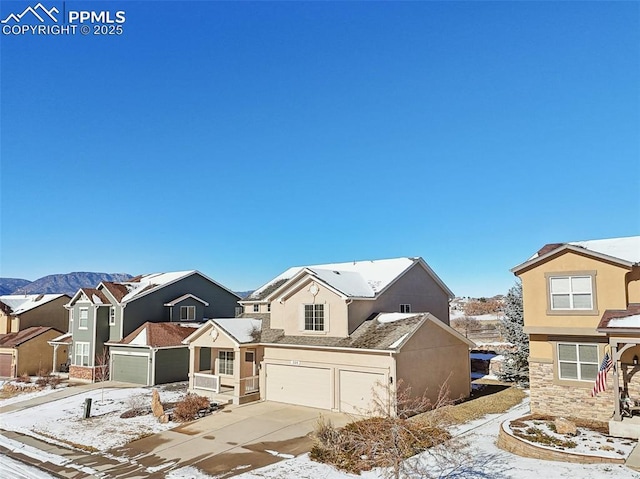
(564, 426)
(156, 405)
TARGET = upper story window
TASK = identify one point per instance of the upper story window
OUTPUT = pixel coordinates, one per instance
(187, 313)
(571, 292)
(314, 317)
(577, 361)
(256, 308)
(83, 320)
(268, 307)
(112, 315)
(405, 308)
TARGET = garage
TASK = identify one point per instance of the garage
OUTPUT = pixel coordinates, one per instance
(5, 366)
(357, 389)
(305, 386)
(130, 368)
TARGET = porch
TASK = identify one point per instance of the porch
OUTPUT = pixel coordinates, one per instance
(206, 383)
(626, 427)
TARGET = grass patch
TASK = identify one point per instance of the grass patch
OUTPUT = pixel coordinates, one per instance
(534, 434)
(74, 445)
(476, 408)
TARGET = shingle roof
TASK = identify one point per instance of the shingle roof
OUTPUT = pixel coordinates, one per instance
(12, 340)
(117, 290)
(21, 303)
(159, 335)
(621, 319)
(95, 296)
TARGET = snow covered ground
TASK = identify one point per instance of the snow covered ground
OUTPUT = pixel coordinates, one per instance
(489, 461)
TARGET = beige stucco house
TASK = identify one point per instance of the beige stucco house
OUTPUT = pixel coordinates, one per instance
(26, 352)
(581, 300)
(22, 311)
(333, 337)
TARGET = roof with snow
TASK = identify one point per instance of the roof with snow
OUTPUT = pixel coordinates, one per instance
(158, 335)
(240, 330)
(66, 338)
(622, 250)
(21, 303)
(12, 340)
(356, 279)
(621, 320)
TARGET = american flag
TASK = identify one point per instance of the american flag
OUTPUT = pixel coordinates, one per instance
(601, 378)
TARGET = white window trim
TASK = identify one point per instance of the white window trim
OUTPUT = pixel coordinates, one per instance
(78, 350)
(577, 362)
(112, 315)
(405, 308)
(187, 309)
(314, 319)
(256, 308)
(226, 360)
(80, 318)
(572, 311)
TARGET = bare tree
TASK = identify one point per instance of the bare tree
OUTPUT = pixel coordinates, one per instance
(101, 371)
(466, 324)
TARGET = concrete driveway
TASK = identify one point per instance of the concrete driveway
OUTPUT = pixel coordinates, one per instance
(228, 442)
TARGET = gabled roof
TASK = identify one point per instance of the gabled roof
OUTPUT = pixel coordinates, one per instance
(356, 279)
(186, 296)
(21, 303)
(239, 330)
(625, 320)
(13, 340)
(158, 335)
(117, 290)
(624, 251)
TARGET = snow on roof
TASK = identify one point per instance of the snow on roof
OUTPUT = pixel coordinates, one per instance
(20, 303)
(399, 341)
(151, 281)
(364, 278)
(392, 317)
(66, 338)
(239, 328)
(626, 322)
(627, 248)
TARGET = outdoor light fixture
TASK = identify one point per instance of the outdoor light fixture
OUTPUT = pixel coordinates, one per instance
(635, 360)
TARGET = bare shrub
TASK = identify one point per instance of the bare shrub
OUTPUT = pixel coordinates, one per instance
(389, 436)
(48, 379)
(482, 306)
(187, 409)
(23, 378)
(466, 324)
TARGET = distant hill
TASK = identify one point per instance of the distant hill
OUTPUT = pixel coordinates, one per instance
(244, 294)
(9, 285)
(63, 283)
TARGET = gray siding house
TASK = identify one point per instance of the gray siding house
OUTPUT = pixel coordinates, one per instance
(109, 313)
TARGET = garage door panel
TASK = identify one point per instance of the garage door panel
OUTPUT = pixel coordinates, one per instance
(300, 385)
(357, 390)
(5, 365)
(130, 368)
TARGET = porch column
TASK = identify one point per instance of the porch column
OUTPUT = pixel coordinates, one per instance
(237, 366)
(615, 357)
(55, 358)
(194, 363)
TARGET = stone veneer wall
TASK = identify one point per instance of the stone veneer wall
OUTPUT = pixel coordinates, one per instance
(81, 372)
(556, 400)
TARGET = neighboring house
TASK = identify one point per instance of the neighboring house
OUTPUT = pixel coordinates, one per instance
(22, 311)
(152, 354)
(112, 311)
(581, 300)
(26, 352)
(325, 336)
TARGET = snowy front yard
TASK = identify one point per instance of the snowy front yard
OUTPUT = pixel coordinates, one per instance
(60, 421)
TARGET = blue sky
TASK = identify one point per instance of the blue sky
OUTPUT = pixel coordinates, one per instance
(241, 138)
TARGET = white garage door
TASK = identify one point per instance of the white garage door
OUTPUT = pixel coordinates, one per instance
(299, 385)
(357, 389)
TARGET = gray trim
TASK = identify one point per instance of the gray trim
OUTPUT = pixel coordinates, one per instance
(573, 312)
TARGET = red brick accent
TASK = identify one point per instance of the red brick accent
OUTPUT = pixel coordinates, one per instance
(81, 372)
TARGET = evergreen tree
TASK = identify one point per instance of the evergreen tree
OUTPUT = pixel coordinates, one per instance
(516, 364)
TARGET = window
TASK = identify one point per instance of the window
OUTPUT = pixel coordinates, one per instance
(405, 308)
(571, 292)
(187, 313)
(249, 357)
(81, 353)
(256, 308)
(314, 317)
(225, 362)
(112, 315)
(577, 361)
(269, 308)
(83, 320)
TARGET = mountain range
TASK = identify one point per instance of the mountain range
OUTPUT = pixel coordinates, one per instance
(58, 283)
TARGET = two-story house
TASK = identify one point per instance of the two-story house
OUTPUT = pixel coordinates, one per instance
(104, 318)
(334, 336)
(582, 301)
(27, 322)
